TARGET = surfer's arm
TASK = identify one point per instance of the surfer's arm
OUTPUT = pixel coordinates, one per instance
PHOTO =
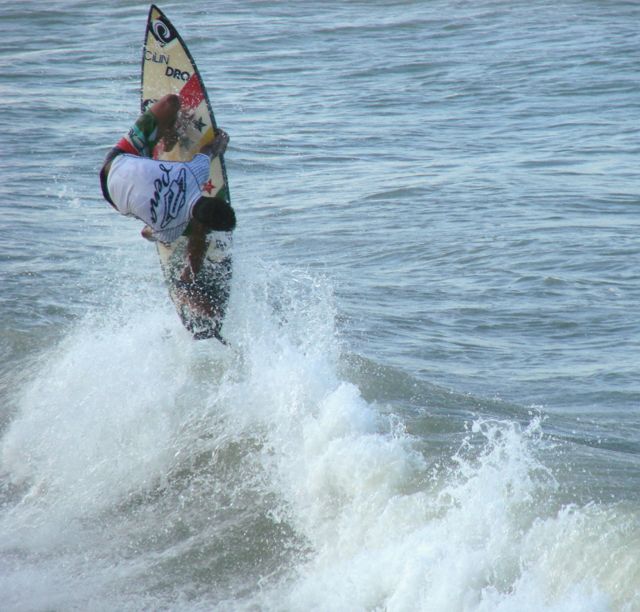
(155, 124)
(188, 290)
(208, 214)
(196, 250)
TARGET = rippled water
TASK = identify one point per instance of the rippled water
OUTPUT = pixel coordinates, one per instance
(432, 399)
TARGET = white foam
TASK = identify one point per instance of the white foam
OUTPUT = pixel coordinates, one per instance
(125, 400)
(98, 420)
(385, 533)
(468, 545)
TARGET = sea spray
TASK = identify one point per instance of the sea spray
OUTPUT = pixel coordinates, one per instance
(96, 421)
(385, 535)
(420, 549)
(156, 469)
(356, 487)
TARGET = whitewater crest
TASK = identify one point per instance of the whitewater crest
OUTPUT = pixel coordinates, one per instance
(196, 465)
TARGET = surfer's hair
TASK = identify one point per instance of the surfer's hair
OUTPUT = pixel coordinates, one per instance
(215, 213)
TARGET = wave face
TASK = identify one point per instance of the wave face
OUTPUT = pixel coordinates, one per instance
(144, 470)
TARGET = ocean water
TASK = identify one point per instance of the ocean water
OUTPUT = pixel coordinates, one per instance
(431, 399)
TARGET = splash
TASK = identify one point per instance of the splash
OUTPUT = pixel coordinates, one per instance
(155, 469)
(390, 533)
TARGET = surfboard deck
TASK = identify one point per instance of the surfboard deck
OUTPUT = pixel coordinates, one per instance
(168, 67)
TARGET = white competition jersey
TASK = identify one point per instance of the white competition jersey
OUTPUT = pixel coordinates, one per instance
(159, 193)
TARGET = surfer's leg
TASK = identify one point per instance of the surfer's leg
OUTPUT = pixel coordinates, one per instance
(157, 123)
(165, 111)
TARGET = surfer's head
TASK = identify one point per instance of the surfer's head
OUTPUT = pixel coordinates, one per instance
(214, 214)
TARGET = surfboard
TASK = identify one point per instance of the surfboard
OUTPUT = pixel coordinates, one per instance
(168, 67)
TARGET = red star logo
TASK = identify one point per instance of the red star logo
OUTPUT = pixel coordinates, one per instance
(208, 186)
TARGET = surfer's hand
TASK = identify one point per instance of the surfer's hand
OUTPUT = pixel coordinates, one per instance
(221, 140)
(218, 146)
(147, 234)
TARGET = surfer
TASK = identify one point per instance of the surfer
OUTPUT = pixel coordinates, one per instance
(166, 195)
